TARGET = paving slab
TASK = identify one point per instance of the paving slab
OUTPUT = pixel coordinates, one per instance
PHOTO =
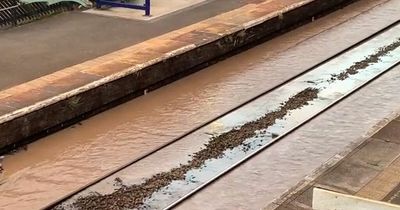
(382, 184)
(349, 176)
(384, 153)
(391, 132)
(371, 170)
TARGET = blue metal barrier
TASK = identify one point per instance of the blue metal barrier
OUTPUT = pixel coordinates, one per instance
(118, 3)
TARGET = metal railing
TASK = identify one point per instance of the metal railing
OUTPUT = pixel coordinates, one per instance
(118, 3)
(13, 12)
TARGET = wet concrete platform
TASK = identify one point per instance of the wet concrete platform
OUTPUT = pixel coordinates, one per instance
(159, 8)
(73, 37)
(371, 170)
(55, 99)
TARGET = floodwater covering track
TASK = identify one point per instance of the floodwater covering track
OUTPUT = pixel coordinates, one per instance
(313, 92)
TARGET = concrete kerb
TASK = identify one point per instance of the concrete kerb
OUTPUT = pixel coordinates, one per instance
(55, 111)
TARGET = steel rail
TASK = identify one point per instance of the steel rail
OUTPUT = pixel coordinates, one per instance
(277, 139)
(61, 200)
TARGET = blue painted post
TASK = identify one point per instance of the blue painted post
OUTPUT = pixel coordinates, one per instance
(147, 7)
(98, 4)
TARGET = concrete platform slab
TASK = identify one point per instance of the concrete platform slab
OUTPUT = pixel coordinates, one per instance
(159, 8)
(371, 171)
(390, 133)
(384, 154)
(328, 200)
(348, 176)
(383, 184)
(71, 38)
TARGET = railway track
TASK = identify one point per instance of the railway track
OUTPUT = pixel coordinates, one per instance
(226, 142)
(13, 12)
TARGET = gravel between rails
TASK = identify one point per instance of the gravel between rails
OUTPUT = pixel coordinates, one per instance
(133, 197)
(371, 59)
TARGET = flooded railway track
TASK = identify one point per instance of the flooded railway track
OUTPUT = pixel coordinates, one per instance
(219, 146)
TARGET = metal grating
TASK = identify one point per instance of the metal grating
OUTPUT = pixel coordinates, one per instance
(13, 12)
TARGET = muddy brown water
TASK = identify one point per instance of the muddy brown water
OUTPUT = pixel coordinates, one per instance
(226, 146)
(64, 161)
(132, 197)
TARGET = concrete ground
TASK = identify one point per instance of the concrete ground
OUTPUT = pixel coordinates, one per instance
(159, 8)
(372, 171)
(37, 49)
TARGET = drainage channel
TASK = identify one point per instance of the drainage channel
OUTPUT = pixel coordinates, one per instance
(208, 153)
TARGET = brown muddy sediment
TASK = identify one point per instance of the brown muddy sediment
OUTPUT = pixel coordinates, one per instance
(371, 59)
(65, 161)
(134, 196)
